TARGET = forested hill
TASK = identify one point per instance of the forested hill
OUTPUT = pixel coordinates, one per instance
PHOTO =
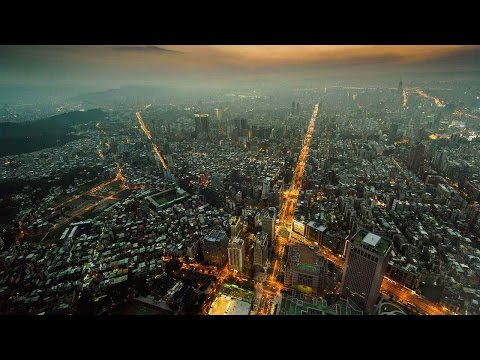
(55, 125)
(18, 138)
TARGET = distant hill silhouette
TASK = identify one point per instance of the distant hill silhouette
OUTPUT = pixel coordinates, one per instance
(54, 125)
(18, 138)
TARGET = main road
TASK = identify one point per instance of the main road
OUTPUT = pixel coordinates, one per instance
(291, 195)
(147, 133)
(271, 286)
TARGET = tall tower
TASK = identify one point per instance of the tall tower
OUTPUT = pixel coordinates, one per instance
(319, 164)
(235, 226)
(260, 250)
(268, 222)
(265, 187)
(367, 257)
(202, 126)
(416, 156)
(214, 247)
(236, 254)
(400, 85)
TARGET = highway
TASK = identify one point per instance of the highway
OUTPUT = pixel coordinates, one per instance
(272, 287)
(437, 101)
(291, 195)
(155, 148)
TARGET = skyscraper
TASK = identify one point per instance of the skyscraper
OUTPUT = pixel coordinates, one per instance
(268, 222)
(260, 250)
(202, 126)
(392, 134)
(236, 254)
(416, 156)
(366, 261)
(214, 247)
(400, 85)
(235, 226)
(265, 187)
(244, 124)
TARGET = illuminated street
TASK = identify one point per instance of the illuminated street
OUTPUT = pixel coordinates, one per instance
(149, 137)
(437, 101)
(272, 286)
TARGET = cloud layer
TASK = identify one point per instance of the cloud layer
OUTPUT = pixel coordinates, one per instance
(149, 63)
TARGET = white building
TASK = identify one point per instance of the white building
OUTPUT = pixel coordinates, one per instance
(236, 254)
(235, 226)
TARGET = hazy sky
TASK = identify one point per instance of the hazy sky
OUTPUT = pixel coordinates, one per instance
(105, 66)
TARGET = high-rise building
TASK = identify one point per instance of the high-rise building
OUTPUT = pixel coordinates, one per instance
(416, 157)
(305, 269)
(268, 222)
(214, 247)
(244, 124)
(238, 197)
(400, 85)
(260, 249)
(236, 254)
(298, 108)
(235, 226)
(202, 126)
(314, 231)
(392, 135)
(367, 256)
(265, 187)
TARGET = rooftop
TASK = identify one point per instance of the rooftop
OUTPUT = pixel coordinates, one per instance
(226, 305)
(296, 304)
(234, 220)
(372, 242)
(304, 259)
(216, 236)
(236, 242)
(317, 226)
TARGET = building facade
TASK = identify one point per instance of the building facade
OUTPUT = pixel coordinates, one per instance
(235, 226)
(305, 269)
(260, 250)
(214, 247)
(202, 126)
(236, 254)
(268, 222)
(367, 256)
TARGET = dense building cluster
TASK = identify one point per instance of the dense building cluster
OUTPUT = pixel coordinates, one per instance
(187, 210)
